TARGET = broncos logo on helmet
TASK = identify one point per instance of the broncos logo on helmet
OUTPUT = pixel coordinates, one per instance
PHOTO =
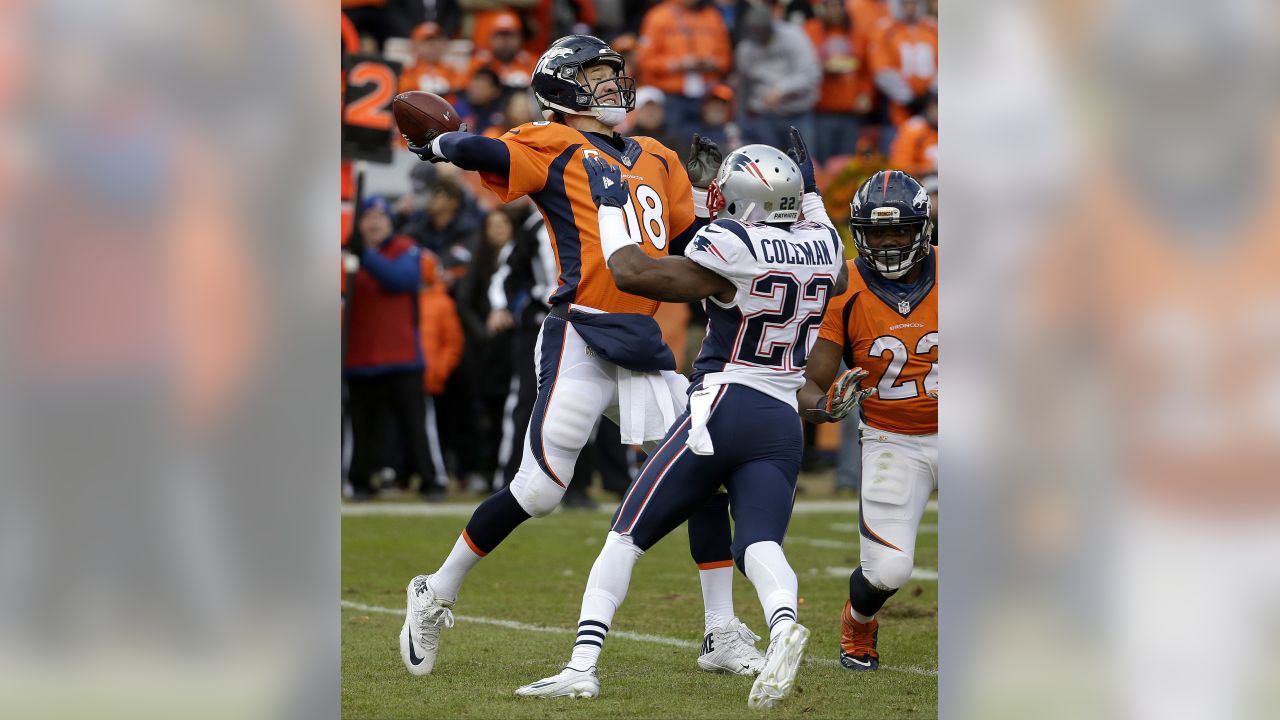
(558, 87)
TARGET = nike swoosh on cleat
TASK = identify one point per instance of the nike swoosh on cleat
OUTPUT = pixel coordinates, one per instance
(863, 664)
(413, 656)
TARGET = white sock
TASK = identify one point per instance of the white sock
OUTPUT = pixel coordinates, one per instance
(859, 617)
(775, 583)
(446, 581)
(606, 589)
(717, 596)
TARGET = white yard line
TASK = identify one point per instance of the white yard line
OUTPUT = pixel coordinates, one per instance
(925, 528)
(625, 635)
(803, 507)
(919, 573)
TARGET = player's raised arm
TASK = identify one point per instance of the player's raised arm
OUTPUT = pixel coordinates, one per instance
(811, 201)
(669, 279)
(467, 151)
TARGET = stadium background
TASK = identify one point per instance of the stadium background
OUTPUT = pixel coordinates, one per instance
(857, 77)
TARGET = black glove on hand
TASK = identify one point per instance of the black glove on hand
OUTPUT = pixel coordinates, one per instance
(424, 150)
(800, 154)
(608, 189)
(704, 161)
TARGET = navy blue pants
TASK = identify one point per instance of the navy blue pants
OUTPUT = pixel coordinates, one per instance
(758, 443)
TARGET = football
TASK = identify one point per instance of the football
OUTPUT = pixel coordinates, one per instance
(420, 115)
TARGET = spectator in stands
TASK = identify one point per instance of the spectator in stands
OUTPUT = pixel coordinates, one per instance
(915, 149)
(717, 121)
(506, 56)
(847, 91)
(446, 229)
(866, 16)
(628, 47)
(484, 378)
(384, 363)
(684, 49)
(519, 109)
(779, 77)
(904, 58)
(430, 72)
(649, 118)
(482, 105)
(442, 345)
(378, 19)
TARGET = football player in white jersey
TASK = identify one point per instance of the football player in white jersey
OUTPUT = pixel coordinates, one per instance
(765, 277)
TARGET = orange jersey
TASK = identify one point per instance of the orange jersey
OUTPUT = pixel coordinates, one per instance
(671, 34)
(440, 78)
(514, 74)
(546, 165)
(909, 50)
(915, 149)
(846, 80)
(899, 350)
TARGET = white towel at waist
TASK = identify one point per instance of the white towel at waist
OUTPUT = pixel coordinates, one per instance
(648, 404)
(701, 402)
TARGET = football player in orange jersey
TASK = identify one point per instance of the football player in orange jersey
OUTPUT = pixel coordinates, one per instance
(600, 352)
(885, 326)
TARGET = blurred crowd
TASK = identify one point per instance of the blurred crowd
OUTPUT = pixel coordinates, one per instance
(857, 77)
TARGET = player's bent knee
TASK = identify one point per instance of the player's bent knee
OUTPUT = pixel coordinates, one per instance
(889, 572)
(538, 496)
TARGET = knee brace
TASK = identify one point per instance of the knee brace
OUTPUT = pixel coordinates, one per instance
(890, 570)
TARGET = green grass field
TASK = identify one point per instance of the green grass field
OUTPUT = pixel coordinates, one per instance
(534, 583)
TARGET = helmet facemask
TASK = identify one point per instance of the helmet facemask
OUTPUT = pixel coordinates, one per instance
(891, 247)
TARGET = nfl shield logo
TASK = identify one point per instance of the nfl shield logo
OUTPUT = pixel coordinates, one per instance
(904, 307)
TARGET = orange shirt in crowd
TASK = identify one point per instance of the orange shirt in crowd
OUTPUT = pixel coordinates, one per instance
(512, 74)
(439, 329)
(846, 78)
(915, 149)
(673, 34)
(866, 15)
(440, 78)
(912, 51)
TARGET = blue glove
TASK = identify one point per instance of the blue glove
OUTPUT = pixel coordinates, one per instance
(608, 189)
(800, 154)
(424, 151)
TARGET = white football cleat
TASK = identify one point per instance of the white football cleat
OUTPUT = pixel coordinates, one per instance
(420, 636)
(570, 683)
(731, 649)
(780, 665)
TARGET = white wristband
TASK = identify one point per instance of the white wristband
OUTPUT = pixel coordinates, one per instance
(700, 203)
(613, 231)
(435, 145)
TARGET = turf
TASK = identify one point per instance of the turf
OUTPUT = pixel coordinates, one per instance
(537, 578)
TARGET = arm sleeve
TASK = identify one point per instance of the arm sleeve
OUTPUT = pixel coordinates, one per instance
(530, 154)
(475, 152)
(402, 274)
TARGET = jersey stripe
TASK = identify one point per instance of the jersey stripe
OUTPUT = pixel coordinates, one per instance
(556, 208)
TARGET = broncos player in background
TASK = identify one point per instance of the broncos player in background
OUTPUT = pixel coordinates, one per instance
(765, 277)
(600, 351)
(887, 323)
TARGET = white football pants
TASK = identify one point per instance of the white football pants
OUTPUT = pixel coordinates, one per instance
(899, 473)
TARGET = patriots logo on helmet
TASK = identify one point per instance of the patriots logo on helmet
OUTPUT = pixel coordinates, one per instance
(740, 161)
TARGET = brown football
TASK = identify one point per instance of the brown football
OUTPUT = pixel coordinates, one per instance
(421, 114)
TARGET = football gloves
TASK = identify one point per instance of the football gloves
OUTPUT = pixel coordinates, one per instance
(608, 189)
(799, 152)
(425, 151)
(842, 398)
(704, 161)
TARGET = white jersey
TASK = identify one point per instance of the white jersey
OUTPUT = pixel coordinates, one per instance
(783, 278)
